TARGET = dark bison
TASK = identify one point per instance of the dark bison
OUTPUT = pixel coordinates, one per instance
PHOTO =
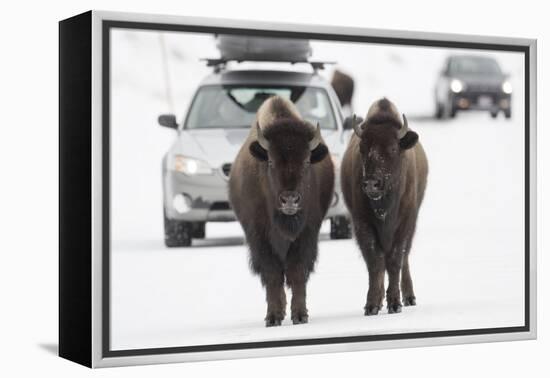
(281, 186)
(384, 175)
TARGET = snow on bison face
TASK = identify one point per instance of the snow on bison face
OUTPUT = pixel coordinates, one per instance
(383, 139)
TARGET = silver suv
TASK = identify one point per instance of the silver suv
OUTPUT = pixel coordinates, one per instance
(196, 168)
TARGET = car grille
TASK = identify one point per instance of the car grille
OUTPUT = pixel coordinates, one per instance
(222, 205)
(474, 87)
(226, 169)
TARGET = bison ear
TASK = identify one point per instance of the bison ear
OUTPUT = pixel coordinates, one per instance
(258, 151)
(409, 140)
(318, 153)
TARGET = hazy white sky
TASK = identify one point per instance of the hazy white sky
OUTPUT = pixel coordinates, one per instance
(404, 74)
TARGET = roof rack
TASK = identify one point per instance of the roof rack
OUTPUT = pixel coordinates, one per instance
(220, 63)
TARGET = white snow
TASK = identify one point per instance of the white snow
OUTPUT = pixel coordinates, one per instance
(467, 257)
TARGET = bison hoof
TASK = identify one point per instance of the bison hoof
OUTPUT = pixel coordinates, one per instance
(394, 308)
(300, 319)
(409, 301)
(372, 310)
(272, 321)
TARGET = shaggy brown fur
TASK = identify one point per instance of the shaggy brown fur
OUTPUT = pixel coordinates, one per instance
(383, 182)
(282, 246)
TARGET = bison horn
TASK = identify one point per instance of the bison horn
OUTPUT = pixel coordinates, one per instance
(403, 130)
(356, 126)
(314, 142)
(261, 139)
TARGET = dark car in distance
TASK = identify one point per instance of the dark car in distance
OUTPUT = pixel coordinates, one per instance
(471, 82)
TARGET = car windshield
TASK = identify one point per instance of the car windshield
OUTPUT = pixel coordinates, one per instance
(474, 65)
(217, 106)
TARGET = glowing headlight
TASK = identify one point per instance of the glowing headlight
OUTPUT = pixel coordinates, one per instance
(456, 86)
(507, 87)
(181, 203)
(191, 166)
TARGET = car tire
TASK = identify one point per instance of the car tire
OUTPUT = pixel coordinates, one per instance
(340, 227)
(494, 114)
(438, 111)
(452, 112)
(177, 233)
(198, 230)
(508, 114)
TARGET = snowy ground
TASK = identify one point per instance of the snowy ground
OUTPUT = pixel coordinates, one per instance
(467, 263)
(467, 258)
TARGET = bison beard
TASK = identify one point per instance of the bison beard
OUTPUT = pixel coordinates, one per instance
(290, 226)
(290, 157)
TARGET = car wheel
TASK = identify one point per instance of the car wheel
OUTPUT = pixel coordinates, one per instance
(494, 114)
(340, 228)
(438, 111)
(508, 114)
(177, 233)
(198, 230)
(452, 112)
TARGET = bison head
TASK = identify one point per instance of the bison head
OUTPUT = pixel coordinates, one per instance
(383, 139)
(289, 147)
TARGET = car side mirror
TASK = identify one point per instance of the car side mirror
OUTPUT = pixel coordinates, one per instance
(348, 122)
(168, 120)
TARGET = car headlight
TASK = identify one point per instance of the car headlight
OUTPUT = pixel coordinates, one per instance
(507, 87)
(190, 166)
(456, 86)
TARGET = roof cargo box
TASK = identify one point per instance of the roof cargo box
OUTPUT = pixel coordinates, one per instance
(243, 48)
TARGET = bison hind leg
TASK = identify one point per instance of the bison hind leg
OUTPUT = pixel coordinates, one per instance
(409, 301)
(394, 308)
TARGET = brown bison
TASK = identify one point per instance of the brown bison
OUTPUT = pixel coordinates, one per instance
(281, 185)
(384, 174)
(343, 85)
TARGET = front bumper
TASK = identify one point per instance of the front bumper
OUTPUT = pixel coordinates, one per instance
(489, 100)
(207, 199)
(205, 196)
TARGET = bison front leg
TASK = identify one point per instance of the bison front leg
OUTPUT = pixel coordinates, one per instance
(374, 258)
(275, 297)
(375, 295)
(394, 260)
(299, 264)
(297, 281)
(271, 270)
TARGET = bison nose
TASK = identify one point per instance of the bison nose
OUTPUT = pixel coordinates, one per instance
(373, 183)
(290, 198)
(373, 186)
